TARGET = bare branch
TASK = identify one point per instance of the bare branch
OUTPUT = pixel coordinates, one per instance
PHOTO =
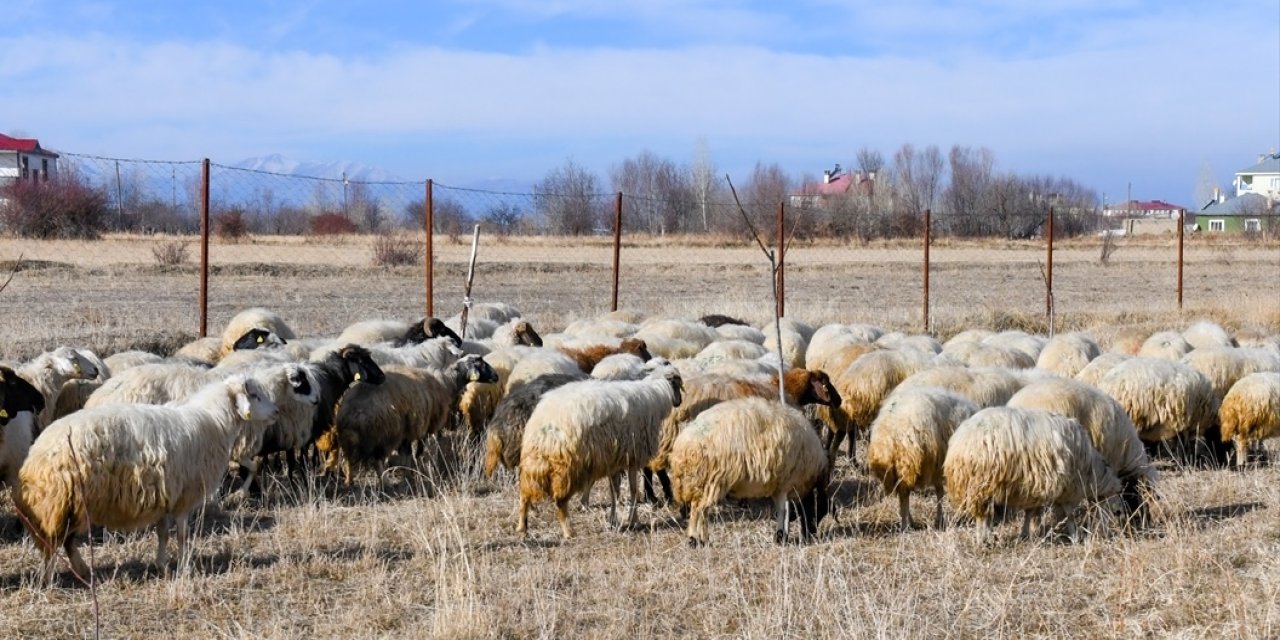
(755, 234)
(17, 264)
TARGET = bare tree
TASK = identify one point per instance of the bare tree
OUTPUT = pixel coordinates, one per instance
(661, 197)
(971, 174)
(870, 161)
(703, 181)
(764, 189)
(568, 198)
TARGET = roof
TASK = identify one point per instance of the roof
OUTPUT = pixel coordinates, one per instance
(1144, 205)
(1248, 204)
(24, 145)
(1270, 164)
(838, 185)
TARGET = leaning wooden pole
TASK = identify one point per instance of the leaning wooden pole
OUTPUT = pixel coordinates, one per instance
(204, 248)
(1182, 229)
(471, 273)
(928, 230)
(782, 260)
(1048, 278)
(617, 248)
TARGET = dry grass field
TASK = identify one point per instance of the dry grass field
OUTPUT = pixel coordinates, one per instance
(437, 557)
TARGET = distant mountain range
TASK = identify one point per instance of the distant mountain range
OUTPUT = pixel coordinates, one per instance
(277, 163)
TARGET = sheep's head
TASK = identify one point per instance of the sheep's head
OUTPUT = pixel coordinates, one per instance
(817, 389)
(432, 328)
(526, 335)
(813, 506)
(301, 381)
(473, 368)
(672, 376)
(635, 347)
(257, 338)
(251, 399)
(71, 363)
(17, 395)
(358, 365)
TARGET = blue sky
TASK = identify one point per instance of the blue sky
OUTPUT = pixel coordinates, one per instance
(1107, 92)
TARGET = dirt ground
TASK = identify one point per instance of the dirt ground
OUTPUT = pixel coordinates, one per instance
(436, 556)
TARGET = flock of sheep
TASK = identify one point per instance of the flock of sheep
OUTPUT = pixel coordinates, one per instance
(713, 408)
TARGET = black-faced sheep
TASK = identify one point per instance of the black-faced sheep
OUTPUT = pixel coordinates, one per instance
(589, 430)
(240, 325)
(751, 448)
(20, 403)
(909, 443)
(1024, 459)
(372, 422)
(131, 466)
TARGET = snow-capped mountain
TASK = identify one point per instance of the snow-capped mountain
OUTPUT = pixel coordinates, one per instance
(277, 163)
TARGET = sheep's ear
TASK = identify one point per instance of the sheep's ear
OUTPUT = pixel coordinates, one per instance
(240, 391)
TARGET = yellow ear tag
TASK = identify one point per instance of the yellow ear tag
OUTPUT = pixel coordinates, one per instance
(4, 414)
(357, 375)
(248, 415)
(474, 376)
(260, 339)
(75, 366)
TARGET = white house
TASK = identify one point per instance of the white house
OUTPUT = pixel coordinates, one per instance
(1262, 178)
(24, 159)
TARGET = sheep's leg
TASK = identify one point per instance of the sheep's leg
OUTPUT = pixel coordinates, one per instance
(562, 514)
(248, 474)
(1072, 532)
(646, 475)
(1242, 452)
(1027, 516)
(586, 497)
(184, 550)
(695, 517)
(665, 479)
(834, 439)
(522, 516)
(984, 529)
(853, 445)
(162, 544)
(72, 546)
(938, 522)
(632, 519)
(780, 517)
(904, 509)
(613, 500)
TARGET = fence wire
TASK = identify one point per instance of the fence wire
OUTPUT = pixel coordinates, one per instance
(334, 250)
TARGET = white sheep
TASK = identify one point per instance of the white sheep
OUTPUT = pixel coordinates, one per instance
(1109, 428)
(1250, 412)
(862, 386)
(740, 332)
(370, 332)
(1066, 354)
(74, 392)
(1167, 345)
(1206, 333)
(585, 431)
(131, 466)
(1163, 398)
(505, 430)
(983, 386)
(1099, 367)
(909, 443)
(750, 448)
(731, 350)
(48, 371)
(1023, 459)
(254, 318)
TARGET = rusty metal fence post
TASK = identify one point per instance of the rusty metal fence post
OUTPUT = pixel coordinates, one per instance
(204, 247)
(782, 253)
(429, 259)
(928, 231)
(617, 247)
(1048, 278)
(1182, 227)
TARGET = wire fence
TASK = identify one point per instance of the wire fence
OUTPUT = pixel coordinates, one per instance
(180, 246)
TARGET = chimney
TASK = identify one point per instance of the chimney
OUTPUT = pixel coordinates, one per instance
(826, 176)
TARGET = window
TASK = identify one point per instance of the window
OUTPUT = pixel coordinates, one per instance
(1217, 225)
(1253, 224)
(44, 169)
(26, 167)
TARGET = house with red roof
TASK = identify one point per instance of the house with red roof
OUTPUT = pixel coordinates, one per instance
(835, 184)
(25, 159)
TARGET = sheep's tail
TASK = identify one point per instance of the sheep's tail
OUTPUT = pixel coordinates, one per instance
(46, 515)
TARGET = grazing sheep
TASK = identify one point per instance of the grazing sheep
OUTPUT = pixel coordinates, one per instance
(1020, 341)
(601, 329)
(537, 363)
(802, 387)
(209, 351)
(20, 402)
(130, 466)
(1167, 345)
(622, 366)
(1163, 398)
(496, 312)
(1099, 367)
(370, 332)
(909, 443)
(988, 354)
(479, 399)
(983, 386)
(831, 339)
(1205, 333)
(731, 350)
(968, 336)
(1067, 353)
(1223, 366)
(432, 353)
(254, 318)
(716, 320)
(333, 374)
(292, 388)
(862, 386)
(794, 345)
(587, 358)
(506, 428)
(153, 384)
(124, 360)
(751, 448)
(74, 392)
(1250, 412)
(589, 430)
(1109, 428)
(1126, 340)
(1023, 459)
(48, 371)
(740, 332)
(922, 343)
(372, 422)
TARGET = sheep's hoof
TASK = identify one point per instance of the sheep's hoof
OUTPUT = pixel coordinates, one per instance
(780, 537)
(693, 543)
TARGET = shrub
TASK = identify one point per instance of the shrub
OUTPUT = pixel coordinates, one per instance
(170, 254)
(326, 224)
(65, 207)
(232, 225)
(394, 250)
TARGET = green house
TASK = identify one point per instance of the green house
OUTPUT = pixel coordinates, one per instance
(1250, 212)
